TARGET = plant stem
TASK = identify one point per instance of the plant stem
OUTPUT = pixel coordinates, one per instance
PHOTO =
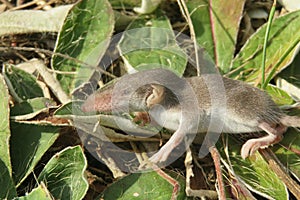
(272, 12)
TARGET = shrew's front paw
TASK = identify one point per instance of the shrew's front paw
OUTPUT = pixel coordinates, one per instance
(161, 156)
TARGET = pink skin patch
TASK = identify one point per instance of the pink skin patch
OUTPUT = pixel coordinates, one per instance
(96, 102)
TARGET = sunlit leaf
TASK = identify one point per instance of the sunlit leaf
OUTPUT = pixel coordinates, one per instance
(283, 44)
(6, 184)
(279, 96)
(155, 47)
(22, 85)
(40, 193)
(289, 151)
(254, 171)
(28, 145)
(30, 21)
(64, 174)
(144, 186)
(84, 36)
(216, 24)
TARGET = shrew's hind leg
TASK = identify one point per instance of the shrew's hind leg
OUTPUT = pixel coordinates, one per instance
(275, 133)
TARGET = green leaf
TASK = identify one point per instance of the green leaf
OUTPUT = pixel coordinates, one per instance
(122, 20)
(279, 96)
(216, 24)
(64, 174)
(150, 43)
(32, 106)
(289, 78)
(30, 21)
(289, 151)
(84, 36)
(21, 84)
(40, 193)
(141, 186)
(124, 4)
(254, 171)
(71, 108)
(28, 145)
(6, 184)
(87, 121)
(283, 42)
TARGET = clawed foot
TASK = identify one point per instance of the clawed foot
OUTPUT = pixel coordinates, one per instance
(161, 156)
(275, 134)
(251, 146)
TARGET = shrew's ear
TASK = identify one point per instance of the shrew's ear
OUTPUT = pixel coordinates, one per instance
(157, 95)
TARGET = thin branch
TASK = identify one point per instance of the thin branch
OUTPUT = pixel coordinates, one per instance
(272, 12)
(31, 3)
(216, 158)
(185, 12)
(45, 51)
(279, 170)
(8, 4)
